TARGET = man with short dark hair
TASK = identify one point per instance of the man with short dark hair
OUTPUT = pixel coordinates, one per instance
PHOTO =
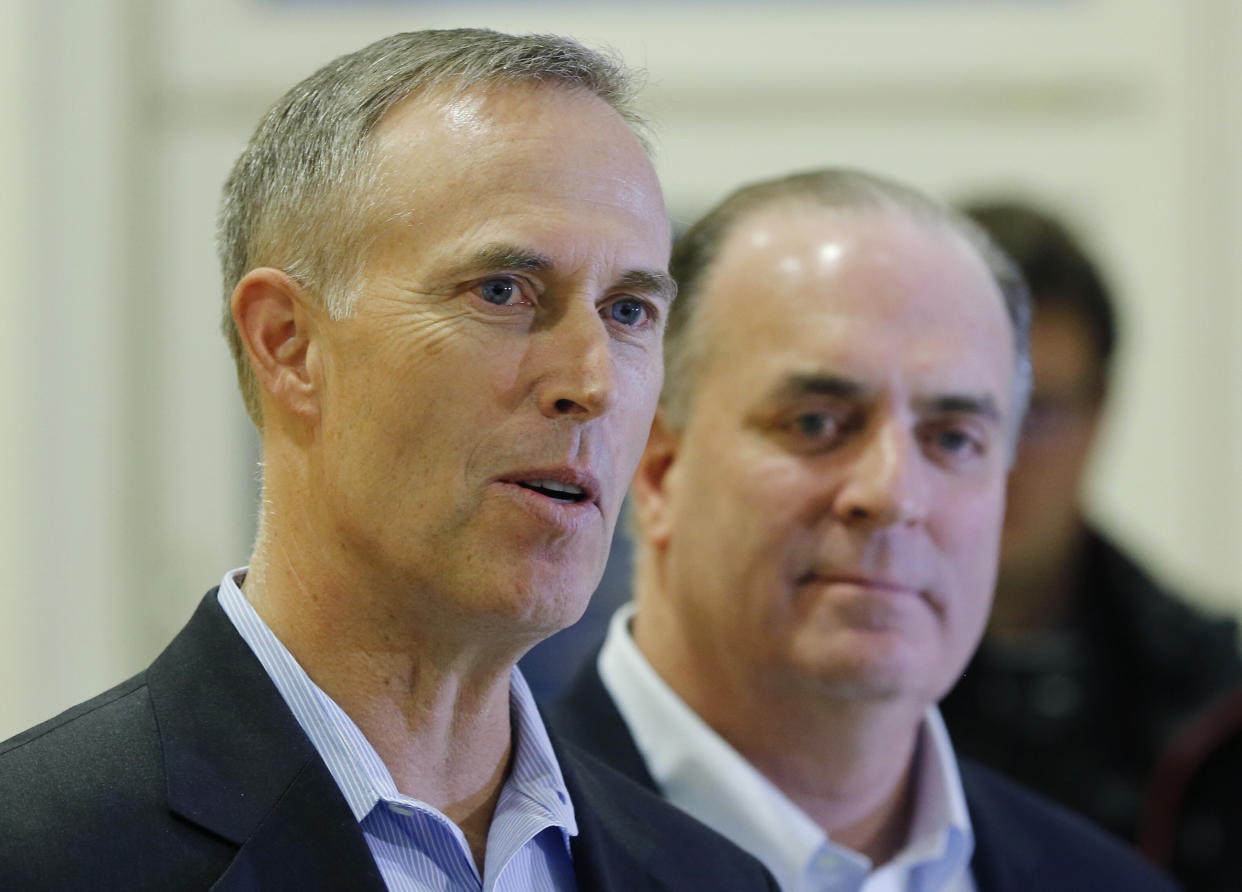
(1088, 665)
(818, 513)
(445, 281)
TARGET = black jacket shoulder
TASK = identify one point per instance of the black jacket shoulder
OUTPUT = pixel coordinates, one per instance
(195, 775)
(84, 798)
(1023, 841)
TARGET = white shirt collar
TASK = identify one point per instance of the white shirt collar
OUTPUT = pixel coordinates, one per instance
(699, 771)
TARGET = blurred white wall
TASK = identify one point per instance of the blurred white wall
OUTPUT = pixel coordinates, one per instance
(65, 601)
(12, 253)
(127, 465)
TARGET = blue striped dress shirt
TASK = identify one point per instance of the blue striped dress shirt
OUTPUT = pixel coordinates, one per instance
(415, 845)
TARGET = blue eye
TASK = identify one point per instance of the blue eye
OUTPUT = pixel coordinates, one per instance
(812, 424)
(817, 428)
(497, 291)
(952, 441)
(627, 311)
(959, 447)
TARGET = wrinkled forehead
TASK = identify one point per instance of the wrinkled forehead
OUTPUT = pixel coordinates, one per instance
(514, 164)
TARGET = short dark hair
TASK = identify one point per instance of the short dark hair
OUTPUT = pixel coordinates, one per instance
(695, 251)
(1058, 269)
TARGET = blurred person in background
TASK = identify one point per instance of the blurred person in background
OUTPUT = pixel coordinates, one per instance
(818, 514)
(1088, 664)
(445, 280)
(1192, 814)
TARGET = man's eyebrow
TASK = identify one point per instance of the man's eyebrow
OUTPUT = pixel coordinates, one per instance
(982, 405)
(500, 256)
(816, 384)
(650, 282)
(828, 384)
(494, 257)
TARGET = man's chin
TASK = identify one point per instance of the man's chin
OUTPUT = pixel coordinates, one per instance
(884, 672)
(538, 607)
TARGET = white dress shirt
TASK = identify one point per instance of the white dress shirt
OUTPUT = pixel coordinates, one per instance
(416, 847)
(699, 772)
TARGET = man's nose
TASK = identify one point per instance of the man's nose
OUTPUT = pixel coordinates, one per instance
(579, 377)
(887, 482)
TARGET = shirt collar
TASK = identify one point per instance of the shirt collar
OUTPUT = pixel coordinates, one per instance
(535, 775)
(703, 774)
(941, 840)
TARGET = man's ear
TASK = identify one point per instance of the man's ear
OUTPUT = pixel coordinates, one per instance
(277, 320)
(657, 472)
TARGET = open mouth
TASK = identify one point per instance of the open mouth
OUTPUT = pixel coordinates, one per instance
(560, 492)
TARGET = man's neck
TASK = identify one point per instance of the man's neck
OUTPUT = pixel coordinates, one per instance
(846, 764)
(845, 761)
(437, 716)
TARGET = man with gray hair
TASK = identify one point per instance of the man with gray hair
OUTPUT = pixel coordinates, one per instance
(818, 512)
(445, 264)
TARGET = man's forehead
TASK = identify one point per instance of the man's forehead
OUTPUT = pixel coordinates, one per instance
(451, 106)
(866, 297)
(452, 136)
(823, 237)
(474, 113)
(810, 260)
(481, 168)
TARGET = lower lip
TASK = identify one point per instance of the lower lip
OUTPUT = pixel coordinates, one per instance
(568, 516)
(866, 605)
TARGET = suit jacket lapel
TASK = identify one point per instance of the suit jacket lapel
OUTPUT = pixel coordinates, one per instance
(1002, 861)
(238, 764)
(613, 851)
(588, 716)
(304, 843)
(622, 846)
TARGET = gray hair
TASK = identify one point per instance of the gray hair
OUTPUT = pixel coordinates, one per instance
(837, 189)
(302, 196)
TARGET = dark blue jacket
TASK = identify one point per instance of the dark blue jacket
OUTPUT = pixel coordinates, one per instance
(195, 775)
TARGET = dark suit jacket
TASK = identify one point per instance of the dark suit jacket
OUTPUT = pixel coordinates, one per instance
(195, 775)
(1021, 842)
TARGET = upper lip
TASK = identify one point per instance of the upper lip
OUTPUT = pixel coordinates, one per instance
(583, 479)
